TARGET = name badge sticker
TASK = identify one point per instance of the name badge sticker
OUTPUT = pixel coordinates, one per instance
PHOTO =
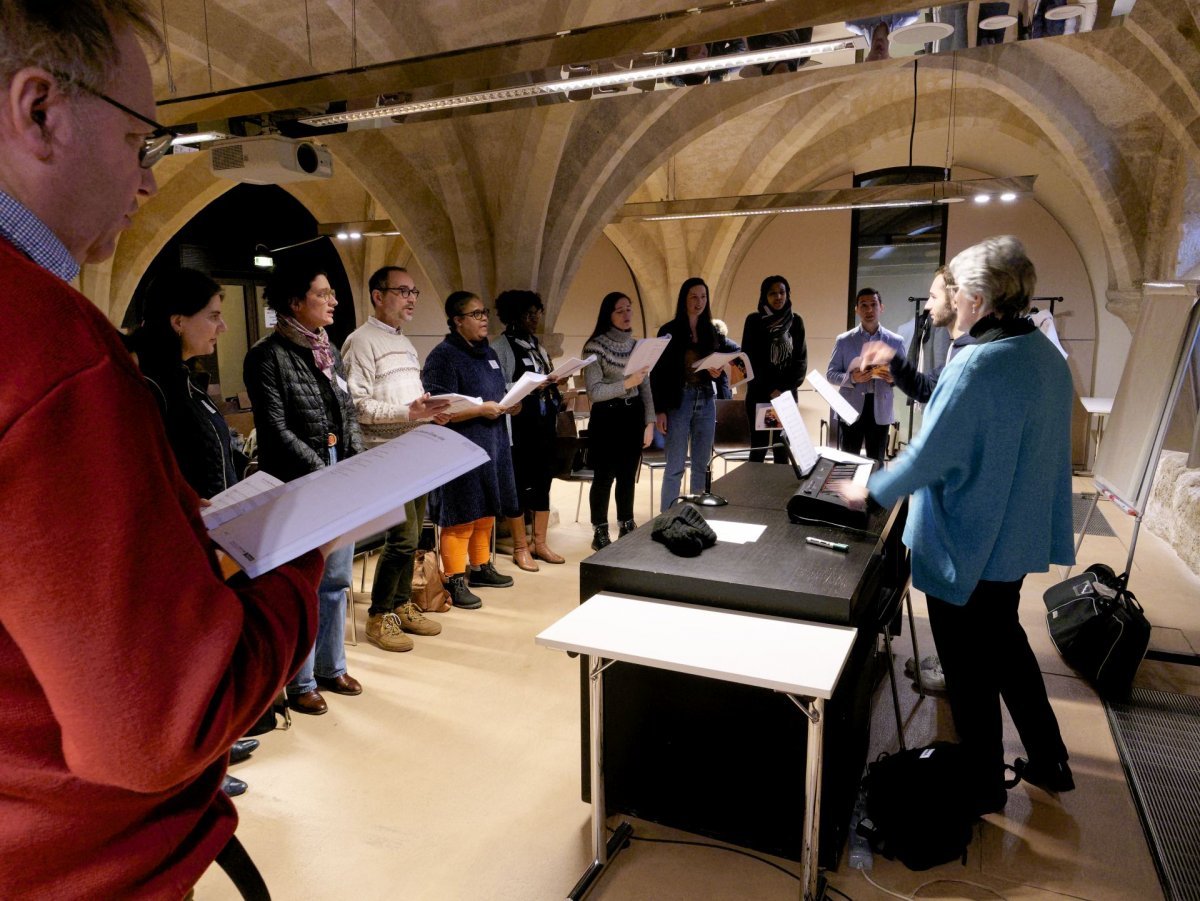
(341, 383)
(493, 364)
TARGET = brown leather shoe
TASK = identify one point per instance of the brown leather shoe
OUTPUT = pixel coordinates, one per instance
(310, 702)
(345, 684)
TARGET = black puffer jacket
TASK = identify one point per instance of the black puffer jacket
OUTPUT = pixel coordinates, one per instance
(296, 408)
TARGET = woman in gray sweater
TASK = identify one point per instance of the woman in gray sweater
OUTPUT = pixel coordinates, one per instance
(622, 418)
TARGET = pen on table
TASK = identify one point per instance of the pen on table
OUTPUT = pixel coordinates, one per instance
(832, 545)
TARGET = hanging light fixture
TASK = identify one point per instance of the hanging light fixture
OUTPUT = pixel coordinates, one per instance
(1066, 11)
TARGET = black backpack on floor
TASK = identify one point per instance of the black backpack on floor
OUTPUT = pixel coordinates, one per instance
(918, 808)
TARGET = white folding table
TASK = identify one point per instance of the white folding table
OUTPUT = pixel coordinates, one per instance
(800, 659)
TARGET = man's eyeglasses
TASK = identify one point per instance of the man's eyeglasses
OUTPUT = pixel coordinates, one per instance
(404, 291)
(477, 315)
(154, 146)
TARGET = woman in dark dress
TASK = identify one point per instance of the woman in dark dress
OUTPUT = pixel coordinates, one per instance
(466, 508)
(181, 322)
(773, 339)
(534, 429)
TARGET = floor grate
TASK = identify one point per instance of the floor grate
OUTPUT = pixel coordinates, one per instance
(1098, 527)
(1158, 737)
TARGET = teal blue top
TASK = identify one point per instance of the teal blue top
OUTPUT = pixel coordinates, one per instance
(990, 471)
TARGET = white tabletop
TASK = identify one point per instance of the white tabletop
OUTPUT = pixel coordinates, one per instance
(1097, 406)
(770, 652)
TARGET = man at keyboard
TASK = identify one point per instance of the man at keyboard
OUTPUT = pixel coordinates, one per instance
(990, 479)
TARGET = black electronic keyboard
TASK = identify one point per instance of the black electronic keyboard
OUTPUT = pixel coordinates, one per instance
(817, 501)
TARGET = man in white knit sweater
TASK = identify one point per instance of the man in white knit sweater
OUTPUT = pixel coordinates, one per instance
(384, 375)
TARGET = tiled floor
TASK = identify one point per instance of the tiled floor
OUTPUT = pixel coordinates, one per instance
(456, 774)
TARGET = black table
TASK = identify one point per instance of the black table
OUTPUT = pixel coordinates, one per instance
(716, 758)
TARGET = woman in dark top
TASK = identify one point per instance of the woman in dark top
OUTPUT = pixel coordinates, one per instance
(684, 399)
(304, 420)
(181, 321)
(773, 338)
(534, 429)
(466, 507)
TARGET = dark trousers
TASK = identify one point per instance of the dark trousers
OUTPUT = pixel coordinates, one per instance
(534, 436)
(615, 432)
(394, 573)
(761, 439)
(865, 429)
(986, 656)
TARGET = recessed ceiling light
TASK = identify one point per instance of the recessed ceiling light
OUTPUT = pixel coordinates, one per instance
(997, 23)
(983, 198)
(921, 33)
(342, 236)
(354, 236)
(1066, 11)
(1008, 196)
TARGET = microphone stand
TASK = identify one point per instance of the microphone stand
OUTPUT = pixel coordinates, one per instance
(918, 337)
(706, 498)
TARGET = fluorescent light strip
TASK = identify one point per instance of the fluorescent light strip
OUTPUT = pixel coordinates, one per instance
(568, 85)
(889, 205)
(197, 138)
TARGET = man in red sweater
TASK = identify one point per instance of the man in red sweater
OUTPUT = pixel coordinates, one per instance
(127, 666)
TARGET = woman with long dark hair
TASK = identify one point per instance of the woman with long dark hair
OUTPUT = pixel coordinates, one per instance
(534, 429)
(622, 417)
(304, 420)
(773, 339)
(466, 507)
(684, 398)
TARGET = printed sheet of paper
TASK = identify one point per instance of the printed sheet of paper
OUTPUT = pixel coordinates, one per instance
(352, 499)
(458, 402)
(833, 397)
(522, 388)
(736, 532)
(571, 366)
(765, 418)
(646, 353)
(736, 365)
(803, 451)
(716, 361)
(237, 499)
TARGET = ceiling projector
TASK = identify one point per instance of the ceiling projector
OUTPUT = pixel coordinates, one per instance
(270, 160)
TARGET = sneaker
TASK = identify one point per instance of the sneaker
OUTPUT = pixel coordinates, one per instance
(600, 537)
(626, 527)
(460, 595)
(383, 631)
(1050, 777)
(414, 621)
(487, 577)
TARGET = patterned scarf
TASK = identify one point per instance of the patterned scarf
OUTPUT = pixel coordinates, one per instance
(318, 342)
(779, 327)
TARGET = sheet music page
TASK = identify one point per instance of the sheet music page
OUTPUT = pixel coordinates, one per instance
(833, 397)
(571, 366)
(716, 361)
(458, 402)
(238, 498)
(368, 490)
(797, 433)
(646, 353)
(522, 388)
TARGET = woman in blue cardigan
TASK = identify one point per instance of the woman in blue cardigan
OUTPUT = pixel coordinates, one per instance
(990, 479)
(466, 507)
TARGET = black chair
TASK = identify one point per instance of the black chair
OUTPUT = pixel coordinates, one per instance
(570, 464)
(732, 437)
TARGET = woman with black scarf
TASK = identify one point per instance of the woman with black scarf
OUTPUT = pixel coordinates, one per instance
(773, 339)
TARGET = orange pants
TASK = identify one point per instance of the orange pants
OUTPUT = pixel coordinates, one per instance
(473, 539)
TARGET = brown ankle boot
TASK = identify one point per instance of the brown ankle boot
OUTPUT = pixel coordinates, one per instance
(541, 521)
(521, 557)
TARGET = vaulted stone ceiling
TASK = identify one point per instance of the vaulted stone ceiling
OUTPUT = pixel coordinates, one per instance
(518, 196)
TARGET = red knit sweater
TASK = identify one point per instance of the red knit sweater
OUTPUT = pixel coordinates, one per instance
(127, 667)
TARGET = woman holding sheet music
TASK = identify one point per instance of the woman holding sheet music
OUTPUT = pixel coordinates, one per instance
(466, 507)
(622, 419)
(684, 398)
(773, 339)
(534, 429)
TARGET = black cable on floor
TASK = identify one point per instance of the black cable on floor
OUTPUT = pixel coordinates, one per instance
(676, 841)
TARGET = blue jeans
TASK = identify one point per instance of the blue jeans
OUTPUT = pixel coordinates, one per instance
(694, 421)
(327, 658)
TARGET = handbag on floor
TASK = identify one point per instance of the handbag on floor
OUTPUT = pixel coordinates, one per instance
(1099, 628)
(429, 592)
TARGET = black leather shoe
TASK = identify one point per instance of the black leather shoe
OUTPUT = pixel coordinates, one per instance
(487, 577)
(626, 527)
(600, 539)
(233, 787)
(460, 595)
(242, 748)
(345, 684)
(1051, 777)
